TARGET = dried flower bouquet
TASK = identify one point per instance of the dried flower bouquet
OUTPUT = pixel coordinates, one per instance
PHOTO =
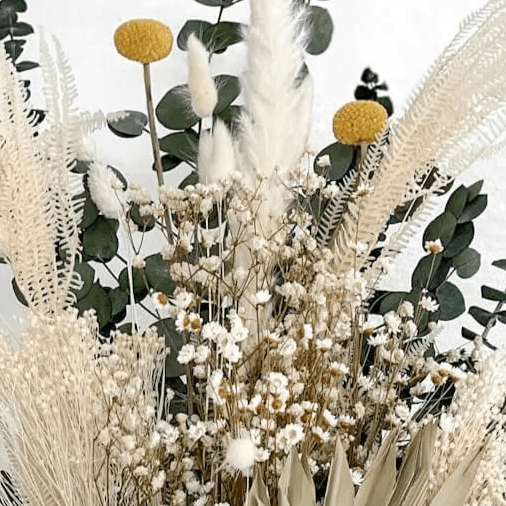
(293, 392)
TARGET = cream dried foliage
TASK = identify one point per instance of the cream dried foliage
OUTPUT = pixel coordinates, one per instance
(457, 116)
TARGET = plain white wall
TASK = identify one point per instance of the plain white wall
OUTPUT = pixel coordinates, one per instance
(399, 39)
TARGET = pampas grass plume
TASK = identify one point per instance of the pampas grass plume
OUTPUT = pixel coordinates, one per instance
(106, 191)
(203, 93)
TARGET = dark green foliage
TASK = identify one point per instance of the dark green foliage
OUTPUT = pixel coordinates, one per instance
(87, 275)
(98, 300)
(99, 240)
(128, 124)
(342, 158)
(370, 88)
(485, 318)
(321, 29)
(174, 109)
(157, 274)
(217, 38)
(144, 223)
(218, 3)
(173, 339)
(182, 145)
(140, 287)
(196, 26)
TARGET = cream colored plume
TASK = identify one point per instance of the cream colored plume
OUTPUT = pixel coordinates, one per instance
(457, 116)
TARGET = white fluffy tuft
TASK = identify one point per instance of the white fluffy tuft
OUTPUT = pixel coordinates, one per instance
(106, 191)
(240, 455)
(203, 93)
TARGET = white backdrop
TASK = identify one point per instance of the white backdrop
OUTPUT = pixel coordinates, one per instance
(399, 39)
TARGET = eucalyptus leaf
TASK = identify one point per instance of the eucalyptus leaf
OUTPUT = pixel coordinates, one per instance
(481, 315)
(474, 208)
(98, 300)
(462, 238)
(474, 190)
(217, 3)
(392, 301)
(90, 210)
(169, 163)
(457, 201)
(490, 293)
(228, 90)
(157, 274)
(182, 145)
(441, 273)
(99, 240)
(425, 271)
(21, 29)
(468, 334)
(451, 301)
(501, 264)
(230, 116)
(195, 26)
(442, 228)
(191, 179)
(467, 263)
(173, 339)
(14, 5)
(127, 124)
(119, 300)
(145, 223)
(174, 110)
(321, 29)
(341, 160)
(87, 274)
(222, 35)
(138, 282)
(387, 103)
(14, 48)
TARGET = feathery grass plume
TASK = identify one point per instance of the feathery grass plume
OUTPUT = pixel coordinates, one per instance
(106, 191)
(216, 154)
(202, 88)
(457, 116)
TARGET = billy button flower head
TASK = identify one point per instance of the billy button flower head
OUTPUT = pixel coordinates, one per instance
(357, 123)
(143, 40)
(147, 41)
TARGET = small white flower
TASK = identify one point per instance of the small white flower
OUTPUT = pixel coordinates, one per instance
(138, 262)
(392, 321)
(406, 309)
(428, 304)
(260, 298)
(202, 354)
(434, 247)
(160, 301)
(357, 477)
(410, 329)
(186, 354)
(158, 481)
(324, 344)
(377, 340)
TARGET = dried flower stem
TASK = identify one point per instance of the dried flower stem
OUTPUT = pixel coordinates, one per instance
(154, 141)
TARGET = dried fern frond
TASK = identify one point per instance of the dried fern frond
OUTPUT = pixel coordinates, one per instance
(457, 116)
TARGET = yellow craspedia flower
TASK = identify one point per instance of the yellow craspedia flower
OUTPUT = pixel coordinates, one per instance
(143, 40)
(359, 121)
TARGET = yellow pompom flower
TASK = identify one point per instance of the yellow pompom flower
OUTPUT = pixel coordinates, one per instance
(143, 40)
(359, 122)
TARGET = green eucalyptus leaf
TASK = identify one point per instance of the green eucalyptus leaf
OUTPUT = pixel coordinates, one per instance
(474, 190)
(157, 274)
(474, 208)
(8, 17)
(457, 201)
(468, 334)
(195, 26)
(138, 281)
(169, 163)
(174, 110)
(222, 35)
(425, 271)
(387, 103)
(462, 238)
(90, 210)
(451, 301)
(481, 315)
(228, 90)
(81, 167)
(99, 240)
(501, 264)
(127, 124)
(442, 228)
(173, 339)
(87, 274)
(98, 300)
(217, 3)
(321, 29)
(490, 293)
(21, 29)
(14, 48)
(392, 301)
(230, 116)
(144, 223)
(441, 273)
(501, 316)
(467, 263)
(119, 300)
(341, 160)
(13, 5)
(182, 145)
(18, 293)
(191, 179)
